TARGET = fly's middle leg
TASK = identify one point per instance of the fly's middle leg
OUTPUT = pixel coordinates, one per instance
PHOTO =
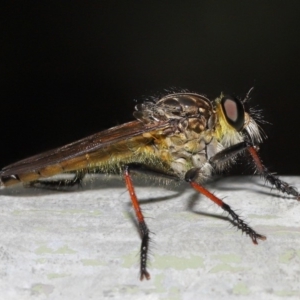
(191, 177)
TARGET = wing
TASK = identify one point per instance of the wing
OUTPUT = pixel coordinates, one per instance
(83, 146)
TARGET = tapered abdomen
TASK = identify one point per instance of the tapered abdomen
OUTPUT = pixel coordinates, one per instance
(108, 159)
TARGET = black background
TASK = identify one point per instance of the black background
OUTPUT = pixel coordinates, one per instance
(70, 69)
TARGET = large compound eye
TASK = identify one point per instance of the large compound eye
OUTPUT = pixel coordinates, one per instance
(234, 113)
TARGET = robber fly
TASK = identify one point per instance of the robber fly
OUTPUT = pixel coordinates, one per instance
(181, 136)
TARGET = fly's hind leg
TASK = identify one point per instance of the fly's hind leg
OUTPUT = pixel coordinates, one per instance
(145, 170)
(143, 228)
(59, 183)
(191, 177)
(144, 231)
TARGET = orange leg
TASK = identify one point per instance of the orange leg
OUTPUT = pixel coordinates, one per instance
(280, 185)
(144, 231)
(192, 175)
(234, 150)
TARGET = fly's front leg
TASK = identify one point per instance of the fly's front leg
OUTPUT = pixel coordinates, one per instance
(232, 151)
(280, 185)
(191, 177)
(144, 231)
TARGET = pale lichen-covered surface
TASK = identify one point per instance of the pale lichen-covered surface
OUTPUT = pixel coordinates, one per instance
(83, 244)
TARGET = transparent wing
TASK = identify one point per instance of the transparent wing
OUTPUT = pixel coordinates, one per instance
(83, 146)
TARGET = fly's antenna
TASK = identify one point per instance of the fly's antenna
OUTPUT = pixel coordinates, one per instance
(247, 97)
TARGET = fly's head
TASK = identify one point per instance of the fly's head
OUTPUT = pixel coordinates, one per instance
(233, 123)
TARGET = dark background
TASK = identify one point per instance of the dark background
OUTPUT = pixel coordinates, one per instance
(70, 69)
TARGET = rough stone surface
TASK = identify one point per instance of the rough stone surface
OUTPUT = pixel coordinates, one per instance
(83, 244)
